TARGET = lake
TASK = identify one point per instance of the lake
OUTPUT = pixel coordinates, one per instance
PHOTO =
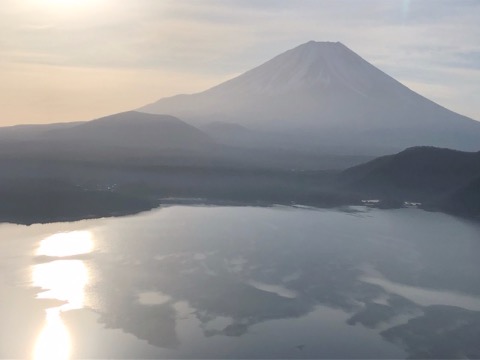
(242, 282)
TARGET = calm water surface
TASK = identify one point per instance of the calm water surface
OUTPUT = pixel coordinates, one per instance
(242, 282)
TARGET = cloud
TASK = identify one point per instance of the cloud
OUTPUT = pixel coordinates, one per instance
(39, 93)
(425, 44)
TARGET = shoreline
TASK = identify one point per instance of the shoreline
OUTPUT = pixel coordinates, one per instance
(193, 201)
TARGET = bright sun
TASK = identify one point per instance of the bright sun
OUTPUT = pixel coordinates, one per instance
(72, 3)
(66, 4)
(66, 8)
(68, 13)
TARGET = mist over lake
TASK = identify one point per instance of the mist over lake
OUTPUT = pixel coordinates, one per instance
(243, 282)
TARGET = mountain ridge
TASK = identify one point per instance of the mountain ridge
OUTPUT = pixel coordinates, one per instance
(419, 174)
(130, 129)
(325, 92)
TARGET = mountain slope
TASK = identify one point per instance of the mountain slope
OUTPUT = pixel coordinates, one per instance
(125, 137)
(154, 140)
(465, 201)
(133, 130)
(324, 93)
(30, 132)
(415, 174)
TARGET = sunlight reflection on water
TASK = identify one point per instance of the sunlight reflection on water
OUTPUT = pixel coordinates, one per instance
(66, 244)
(63, 280)
(53, 343)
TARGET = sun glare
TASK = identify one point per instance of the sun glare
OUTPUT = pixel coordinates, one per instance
(66, 244)
(64, 6)
(63, 280)
(53, 343)
(66, 2)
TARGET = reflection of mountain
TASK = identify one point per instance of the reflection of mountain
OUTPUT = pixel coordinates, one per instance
(119, 306)
(216, 290)
(154, 324)
(374, 314)
(217, 273)
(456, 334)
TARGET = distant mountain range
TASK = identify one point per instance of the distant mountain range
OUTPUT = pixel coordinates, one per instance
(124, 130)
(319, 103)
(56, 190)
(156, 140)
(322, 95)
(282, 133)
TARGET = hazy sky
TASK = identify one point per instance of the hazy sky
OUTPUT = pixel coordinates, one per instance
(65, 60)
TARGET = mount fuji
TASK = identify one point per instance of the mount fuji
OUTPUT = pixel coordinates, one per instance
(321, 95)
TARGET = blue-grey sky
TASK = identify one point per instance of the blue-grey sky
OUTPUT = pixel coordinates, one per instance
(66, 60)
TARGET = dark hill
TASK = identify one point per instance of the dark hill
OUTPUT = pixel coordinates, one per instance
(134, 130)
(415, 174)
(29, 201)
(465, 201)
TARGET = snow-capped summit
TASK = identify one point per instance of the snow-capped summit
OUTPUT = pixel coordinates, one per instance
(326, 92)
(312, 66)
